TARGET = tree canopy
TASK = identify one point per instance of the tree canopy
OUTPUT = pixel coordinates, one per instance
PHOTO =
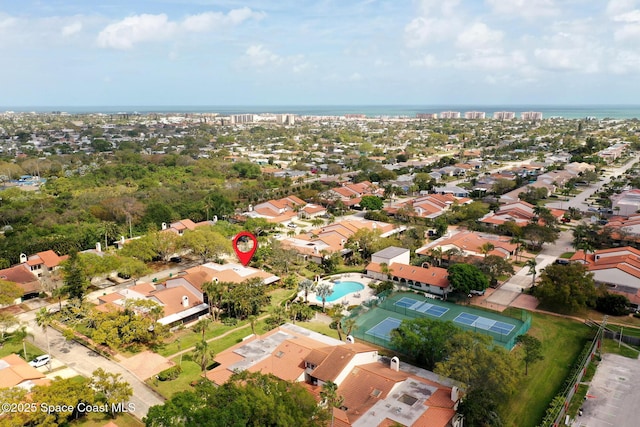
(467, 277)
(566, 288)
(424, 340)
(246, 399)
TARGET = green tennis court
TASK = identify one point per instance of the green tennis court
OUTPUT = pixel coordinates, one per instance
(375, 324)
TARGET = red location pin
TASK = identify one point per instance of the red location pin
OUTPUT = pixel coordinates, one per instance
(239, 243)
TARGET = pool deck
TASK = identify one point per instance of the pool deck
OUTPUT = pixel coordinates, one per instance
(353, 298)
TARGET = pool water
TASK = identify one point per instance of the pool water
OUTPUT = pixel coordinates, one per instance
(341, 289)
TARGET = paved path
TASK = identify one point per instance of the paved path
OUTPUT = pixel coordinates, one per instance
(85, 361)
(522, 281)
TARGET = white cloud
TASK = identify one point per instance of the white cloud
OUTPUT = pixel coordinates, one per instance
(571, 59)
(259, 56)
(422, 31)
(631, 16)
(527, 9)
(210, 21)
(355, 77)
(625, 62)
(71, 29)
(478, 35)
(136, 29)
(627, 33)
(427, 61)
(146, 28)
(616, 7)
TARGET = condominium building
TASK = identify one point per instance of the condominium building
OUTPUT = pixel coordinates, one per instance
(531, 115)
(450, 115)
(504, 115)
(474, 115)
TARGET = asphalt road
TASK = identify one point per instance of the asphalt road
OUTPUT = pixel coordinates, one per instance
(85, 361)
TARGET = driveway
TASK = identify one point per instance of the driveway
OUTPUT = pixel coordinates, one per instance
(85, 361)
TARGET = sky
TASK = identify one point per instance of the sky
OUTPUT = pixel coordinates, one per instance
(319, 52)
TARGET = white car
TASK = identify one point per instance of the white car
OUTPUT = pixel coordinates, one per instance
(291, 225)
(40, 361)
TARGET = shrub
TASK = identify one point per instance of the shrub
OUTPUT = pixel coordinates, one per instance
(170, 374)
(613, 304)
(230, 321)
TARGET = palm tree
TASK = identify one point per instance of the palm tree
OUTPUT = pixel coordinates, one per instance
(531, 264)
(337, 318)
(202, 354)
(329, 395)
(436, 253)
(451, 253)
(252, 322)
(323, 290)
(307, 286)
(517, 240)
(201, 326)
(215, 292)
(44, 319)
(349, 325)
(486, 248)
(586, 248)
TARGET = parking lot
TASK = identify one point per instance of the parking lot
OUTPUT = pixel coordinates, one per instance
(613, 397)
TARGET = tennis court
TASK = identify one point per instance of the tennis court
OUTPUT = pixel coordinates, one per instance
(469, 319)
(375, 323)
(384, 328)
(421, 306)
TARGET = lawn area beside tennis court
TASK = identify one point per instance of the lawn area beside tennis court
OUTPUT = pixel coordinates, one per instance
(374, 325)
(562, 341)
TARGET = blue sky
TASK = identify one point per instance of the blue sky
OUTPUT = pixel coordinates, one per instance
(322, 52)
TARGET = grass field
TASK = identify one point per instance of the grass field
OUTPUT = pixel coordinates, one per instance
(190, 372)
(562, 341)
(15, 346)
(99, 420)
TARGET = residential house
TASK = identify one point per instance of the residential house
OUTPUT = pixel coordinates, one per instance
(428, 206)
(16, 372)
(329, 239)
(351, 194)
(179, 227)
(519, 212)
(376, 391)
(285, 209)
(454, 190)
(179, 304)
(471, 243)
(22, 276)
(434, 280)
(626, 203)
(42, 262)
(616, 268)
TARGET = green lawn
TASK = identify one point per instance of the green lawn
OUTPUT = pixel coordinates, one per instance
(190, 372)
(612, 346)
(15, 346)
(562, 341)
(100, 419)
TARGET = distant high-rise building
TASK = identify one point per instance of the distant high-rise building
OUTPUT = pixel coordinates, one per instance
(286, 119)
(531, 115)
(504, 115)
(243, 118)
(474, 115)
(355, 116)
(450, 115)
(426, 116)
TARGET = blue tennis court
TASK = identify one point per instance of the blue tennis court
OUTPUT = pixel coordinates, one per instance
(484, 323)
(406, 302)
(384, 328)
(421, 307)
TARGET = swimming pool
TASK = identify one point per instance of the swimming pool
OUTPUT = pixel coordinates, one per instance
(340, 289)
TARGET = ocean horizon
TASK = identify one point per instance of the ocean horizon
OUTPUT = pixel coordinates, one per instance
(548, 111)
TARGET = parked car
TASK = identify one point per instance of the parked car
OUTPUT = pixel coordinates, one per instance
(45, 359)
(175, 259)
(565, 220)
(291, 225)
